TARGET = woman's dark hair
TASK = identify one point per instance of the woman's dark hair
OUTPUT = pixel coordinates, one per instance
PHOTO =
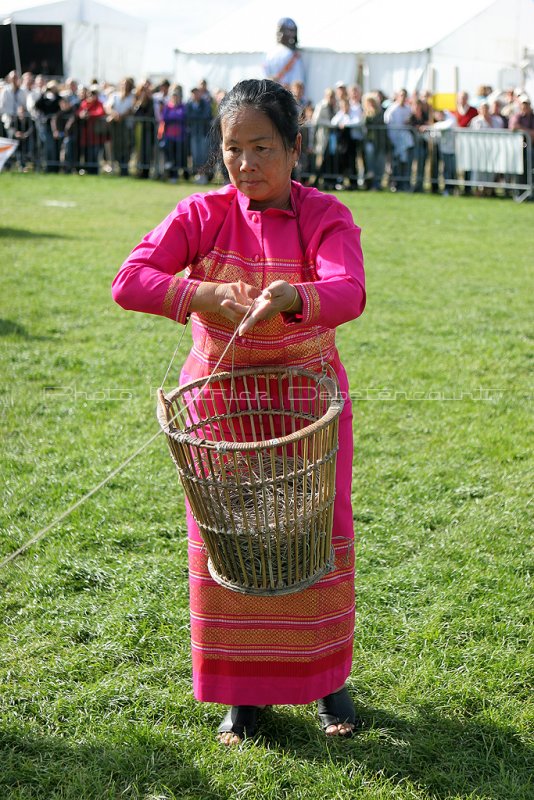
(267, 97)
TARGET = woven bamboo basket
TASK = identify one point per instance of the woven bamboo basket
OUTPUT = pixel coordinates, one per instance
(256, 454)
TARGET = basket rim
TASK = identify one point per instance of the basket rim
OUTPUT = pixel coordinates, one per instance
(329, 381)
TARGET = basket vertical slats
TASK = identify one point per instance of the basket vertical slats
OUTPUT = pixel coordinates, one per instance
(263, 434)
(296, 538)
(232, 418)
(247, 531)
(255, 451)
(320, 444)
(288, 521)
(305, 510)
(257, 517)
(278, 540)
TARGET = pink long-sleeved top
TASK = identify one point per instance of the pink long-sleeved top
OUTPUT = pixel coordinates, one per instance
(249, 650)
(214, 236)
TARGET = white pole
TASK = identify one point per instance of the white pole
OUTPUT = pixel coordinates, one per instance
(95, 53)
(16, 52)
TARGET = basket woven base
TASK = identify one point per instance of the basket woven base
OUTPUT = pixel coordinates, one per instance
(329, 566)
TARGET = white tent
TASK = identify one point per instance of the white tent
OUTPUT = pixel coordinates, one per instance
(98, 41)
(382, 44)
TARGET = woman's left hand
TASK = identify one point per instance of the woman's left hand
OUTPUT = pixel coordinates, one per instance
(279, 296)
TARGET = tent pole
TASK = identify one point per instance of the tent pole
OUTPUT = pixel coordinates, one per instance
(95, 55)
(359, 73)
(176, 52)
(16, 51)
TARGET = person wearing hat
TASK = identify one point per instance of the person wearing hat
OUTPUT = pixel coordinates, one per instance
(284, 64)
(48, 104)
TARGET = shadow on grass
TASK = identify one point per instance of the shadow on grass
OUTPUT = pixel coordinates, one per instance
(444, 757)
(24, 233)
(42, 767)
(10, 328)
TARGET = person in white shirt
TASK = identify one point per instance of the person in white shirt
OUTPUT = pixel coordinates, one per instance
(13, 96)
(284, 63)
(161, 98)
(34, 93)
(443, 150)
(483, 122)
(325, 138)
(348, 121)
(119, 109)
(357, 129)
(396, 117)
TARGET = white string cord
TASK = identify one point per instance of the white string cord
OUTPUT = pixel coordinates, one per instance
(171, 362)
(78, 503)
(40, 534)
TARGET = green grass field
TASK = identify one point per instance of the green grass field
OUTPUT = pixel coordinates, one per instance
(95, 695)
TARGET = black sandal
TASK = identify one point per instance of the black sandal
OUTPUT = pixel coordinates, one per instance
(241, 720)
(335, 709)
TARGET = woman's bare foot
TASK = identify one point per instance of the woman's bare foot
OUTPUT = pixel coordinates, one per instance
(240, 721)
(341, 729)
(229, 738)
(337, 713)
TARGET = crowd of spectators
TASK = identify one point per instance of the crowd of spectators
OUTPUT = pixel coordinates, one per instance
(350, 140)
(131, 129)
(404, 143)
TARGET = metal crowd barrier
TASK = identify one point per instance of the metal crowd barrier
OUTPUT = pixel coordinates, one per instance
(399, 158)
(94, 145)
(404, 158)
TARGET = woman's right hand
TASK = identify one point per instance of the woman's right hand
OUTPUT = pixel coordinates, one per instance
(231, 300)
(236, 299)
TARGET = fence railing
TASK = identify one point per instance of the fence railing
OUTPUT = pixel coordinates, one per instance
(404, 158)
(133, 146)
(399, 158)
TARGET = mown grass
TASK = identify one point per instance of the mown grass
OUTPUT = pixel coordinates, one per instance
(95, 697)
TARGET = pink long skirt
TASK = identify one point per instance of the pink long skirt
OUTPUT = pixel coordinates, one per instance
(290, 649)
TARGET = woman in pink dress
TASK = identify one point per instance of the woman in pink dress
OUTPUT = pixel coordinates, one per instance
(295, 253)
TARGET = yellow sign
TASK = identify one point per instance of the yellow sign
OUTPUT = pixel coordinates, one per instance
(444, 101)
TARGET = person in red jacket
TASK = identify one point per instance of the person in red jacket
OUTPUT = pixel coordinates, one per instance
(464, 113)
(92, 118)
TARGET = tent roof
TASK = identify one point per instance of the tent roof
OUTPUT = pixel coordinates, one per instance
(81, 11)
(352, 26)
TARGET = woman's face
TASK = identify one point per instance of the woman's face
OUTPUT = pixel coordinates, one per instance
(256, 159)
